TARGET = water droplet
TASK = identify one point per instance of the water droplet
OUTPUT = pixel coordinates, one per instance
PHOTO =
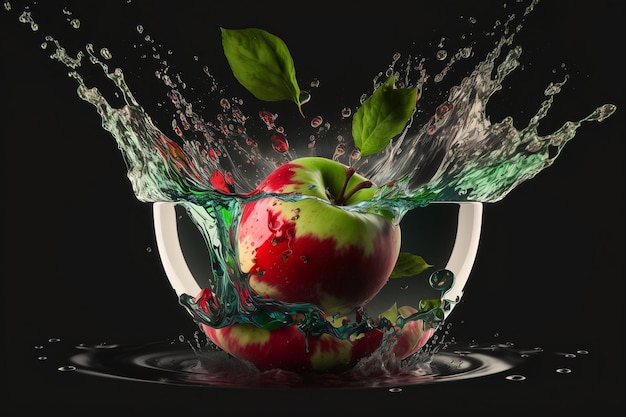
(340, 149)
(139, 29)
(44, 45)
(38, 347)
(563, 370)
(569, 355)
(105, 53)
(75, 23)
(42, 358)
(315, 83)
(395, 389)
(148, 249)
(441, 54)
(54, 340)
(441, 280)
(7, 6)
(316, 121)
(225, 103)
(66, 368)
(268, 118)
(582, 352)
(515, 377)
(279, 143)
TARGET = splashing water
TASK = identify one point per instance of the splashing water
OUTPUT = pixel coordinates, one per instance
(211, 167)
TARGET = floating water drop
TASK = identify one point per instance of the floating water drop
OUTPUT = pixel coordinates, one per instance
(340, 149)
(225, 103)
(442, 280)
(441, 54)
(279, 143)
(395, 389)
(316, 121)
(75, 23)
(563, 370)
(305, 97)
(268, 118)
(105, 53)
(515, 377)
(66, 368)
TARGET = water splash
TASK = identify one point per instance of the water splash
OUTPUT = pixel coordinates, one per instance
(210, 166)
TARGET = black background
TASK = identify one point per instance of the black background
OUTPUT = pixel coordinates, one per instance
(75, 258)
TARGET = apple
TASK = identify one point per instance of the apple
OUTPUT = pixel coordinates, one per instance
(288, 348)
(317, 250)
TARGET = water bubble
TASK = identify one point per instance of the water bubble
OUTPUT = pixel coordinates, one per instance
(268, 118)
(395, 389)
(54, 340)
(346, 112)
(315, 83)
(42, 358)
(7, 6)
(316, 121)
(105, 53)
(441, 280)
(149, 249)
(38, 347)
(139, 29)
(66, 368)
(75, 23)
(279, 143)
(44, 45)
(441, 54)
(340, 149)
(563, 370)
(466, 52)
(225, 103)
(582, 352)
(569, 355)
(515, 377)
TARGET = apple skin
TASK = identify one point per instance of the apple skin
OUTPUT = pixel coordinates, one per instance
(286, 347)
(313, 252)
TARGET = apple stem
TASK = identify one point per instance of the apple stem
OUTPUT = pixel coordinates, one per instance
(360, 186)
(342, 197)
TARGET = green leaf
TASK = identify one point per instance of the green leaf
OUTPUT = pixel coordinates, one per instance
(261, 62)
(382, 116)
(408, 265)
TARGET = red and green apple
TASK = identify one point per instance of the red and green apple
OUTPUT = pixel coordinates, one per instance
(320, 248)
